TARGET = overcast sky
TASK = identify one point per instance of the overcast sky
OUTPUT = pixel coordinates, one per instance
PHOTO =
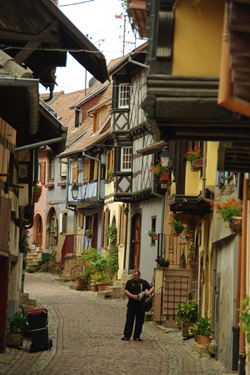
(98, 21)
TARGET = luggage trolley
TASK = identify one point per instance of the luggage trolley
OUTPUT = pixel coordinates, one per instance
(38, 325)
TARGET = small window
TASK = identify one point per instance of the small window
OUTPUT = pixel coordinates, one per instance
(51, 169)
(126, 158)
(64, 167)
(123, 101)
(153, 227)
(78, 117)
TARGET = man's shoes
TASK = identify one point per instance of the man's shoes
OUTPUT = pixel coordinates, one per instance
(124, 338)
(137, 339)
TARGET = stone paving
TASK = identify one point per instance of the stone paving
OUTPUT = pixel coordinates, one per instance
(86, 333)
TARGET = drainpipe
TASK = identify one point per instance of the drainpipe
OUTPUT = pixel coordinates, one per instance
(242, 351)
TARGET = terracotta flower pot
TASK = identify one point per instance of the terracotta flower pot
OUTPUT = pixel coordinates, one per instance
(235, 224)
(94, 287)
(202, 340)
(102, 285)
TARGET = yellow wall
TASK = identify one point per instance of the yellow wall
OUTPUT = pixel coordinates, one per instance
(197, 38)
(212, 153)
(193, 181)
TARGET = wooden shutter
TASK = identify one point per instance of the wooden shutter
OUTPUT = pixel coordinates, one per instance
(86, 170)
(75, 172)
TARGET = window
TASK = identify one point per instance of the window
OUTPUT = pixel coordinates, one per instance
(64, 168)
(126, 158)
(42, 172)
(78, 117)
(51, 169)
(123, 100)
(153, 227)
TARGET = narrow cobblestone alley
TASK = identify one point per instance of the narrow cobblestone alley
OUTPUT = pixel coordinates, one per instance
(86, 332)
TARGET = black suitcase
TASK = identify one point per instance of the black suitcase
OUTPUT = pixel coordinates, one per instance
(38, 326)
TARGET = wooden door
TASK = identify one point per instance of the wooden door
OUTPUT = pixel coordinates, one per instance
(135, 242)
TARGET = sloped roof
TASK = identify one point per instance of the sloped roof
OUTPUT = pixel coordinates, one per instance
(40, 35)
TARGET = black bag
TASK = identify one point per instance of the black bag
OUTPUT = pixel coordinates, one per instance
(147, 303)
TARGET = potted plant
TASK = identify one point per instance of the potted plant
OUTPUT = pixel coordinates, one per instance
(163, 262)
(187, 314)
(195, 158)
(17, 324)
(88, 233)
(177, 225)
(201, 330)
(37, 191)
(83, 278)
(162, 171)
(230, 212)
(110, 175)
(152, 233)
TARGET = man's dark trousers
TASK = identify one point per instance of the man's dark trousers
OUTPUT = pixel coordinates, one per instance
(134, 313)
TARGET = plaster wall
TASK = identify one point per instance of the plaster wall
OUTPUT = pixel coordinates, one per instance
(198, 38)
(226, 266)
(150, 208)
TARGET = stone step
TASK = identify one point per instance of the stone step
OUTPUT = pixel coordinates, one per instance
(104, 294)
(117, 291)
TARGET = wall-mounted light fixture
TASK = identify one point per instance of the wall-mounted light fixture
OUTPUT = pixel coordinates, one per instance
(74, 191)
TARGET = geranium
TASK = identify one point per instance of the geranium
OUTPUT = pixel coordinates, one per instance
(192, 155)
(230, 208)
(158, 169)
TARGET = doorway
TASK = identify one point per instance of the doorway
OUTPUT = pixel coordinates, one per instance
(135, 246)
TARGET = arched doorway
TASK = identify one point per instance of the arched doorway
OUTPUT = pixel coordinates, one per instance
(135, 246)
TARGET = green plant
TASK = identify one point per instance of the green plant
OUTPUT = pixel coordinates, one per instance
(163, 262)
(110, 174)
(111, 233)
(24, 242)
(177, 225)
(88, 233)
(192, 155)
(37, 188)
(151, 232)
(17, 322)
(84, 275)
(187, 312)
(245, 317)
(201, 328)
(230, 208)
(158, 169)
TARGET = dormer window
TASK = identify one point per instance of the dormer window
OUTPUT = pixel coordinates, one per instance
(123, 100)
(78, 117)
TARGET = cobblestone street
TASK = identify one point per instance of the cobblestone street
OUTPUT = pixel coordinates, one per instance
(86, 333)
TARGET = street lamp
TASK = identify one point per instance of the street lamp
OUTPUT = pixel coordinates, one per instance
(74, 191)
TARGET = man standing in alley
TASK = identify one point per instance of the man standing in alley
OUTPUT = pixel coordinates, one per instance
(135, 289)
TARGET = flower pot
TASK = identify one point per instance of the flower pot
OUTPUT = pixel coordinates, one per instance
(202, 340)
(185, 329)
(235, 224)
(102, 285)
(197, 165)
(81, 282)
(14, 339)
(155, 237)
(165, 177)
(94, 287)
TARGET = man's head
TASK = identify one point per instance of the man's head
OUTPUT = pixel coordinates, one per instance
(136, 275)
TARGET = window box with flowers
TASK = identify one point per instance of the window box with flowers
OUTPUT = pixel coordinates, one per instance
(152, 233)
(163, 262)
(230, 212)
(195, 158)
(161, 171)
(110, 175)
